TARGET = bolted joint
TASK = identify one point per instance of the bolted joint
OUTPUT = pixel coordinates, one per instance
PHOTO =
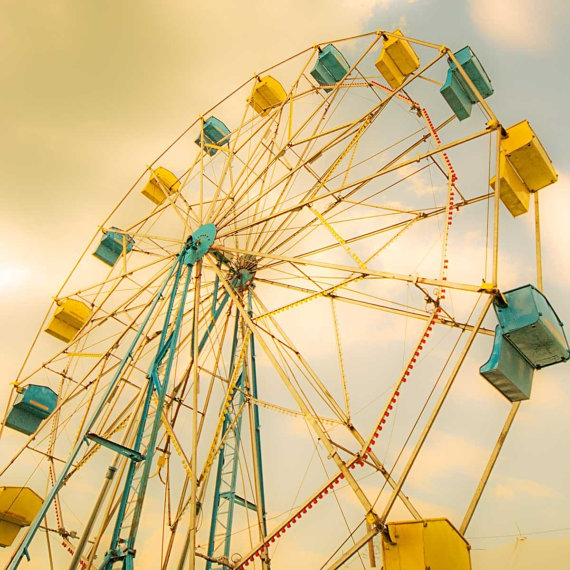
(374, 521)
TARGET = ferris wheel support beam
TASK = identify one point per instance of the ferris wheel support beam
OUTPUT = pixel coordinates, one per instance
(196, 387)
(383, 274)
(516, 405)
(489, 467)
(216, 311)
(538, 242)
(256, 440)
(435, 412)
(495, 266)
(232, 429)
(158, 387)
(78, 555)
(246, 386)
(135, 485)
(215, 314)
(228, 456)
(227, 452)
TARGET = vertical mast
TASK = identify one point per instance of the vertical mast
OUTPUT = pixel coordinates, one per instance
(225, 496)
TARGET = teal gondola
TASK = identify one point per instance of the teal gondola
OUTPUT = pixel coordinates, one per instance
(456, 91)
(33, 405)
(216, 134)
(112, 245)
(330, 68)
(529, 336)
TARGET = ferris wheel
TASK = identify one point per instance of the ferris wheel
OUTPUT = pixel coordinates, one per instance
(252, 351)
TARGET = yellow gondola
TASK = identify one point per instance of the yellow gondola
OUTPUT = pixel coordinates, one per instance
(160, 183)
(68, 319)
(18, 508)
(268, 93)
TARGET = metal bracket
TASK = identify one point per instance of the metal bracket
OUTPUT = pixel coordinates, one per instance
(126, 451)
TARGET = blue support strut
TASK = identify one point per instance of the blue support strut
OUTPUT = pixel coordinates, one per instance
(228, 461)
(132, 500)
(256, 421)
(223, 460)
(134, 490)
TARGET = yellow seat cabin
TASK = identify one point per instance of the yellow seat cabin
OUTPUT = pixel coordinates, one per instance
(160, 183)
(18, 508)
(524, 167)
(267, 94)
(397, 60)
(514, 194)
(427, 543)
(68, 319)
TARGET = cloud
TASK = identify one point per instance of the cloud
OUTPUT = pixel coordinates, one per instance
(307, 558)
(471, 387)
(549, 392)
(514, 488)
(521, 25)
(365, 8)
(446, 454)
(13, 277)
(523, 554)
(421, 183)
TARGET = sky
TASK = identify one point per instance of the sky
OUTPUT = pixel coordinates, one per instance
(92, 93)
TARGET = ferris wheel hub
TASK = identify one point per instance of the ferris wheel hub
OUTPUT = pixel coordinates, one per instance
(199, 243)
